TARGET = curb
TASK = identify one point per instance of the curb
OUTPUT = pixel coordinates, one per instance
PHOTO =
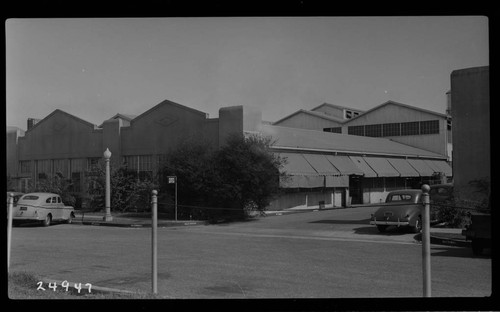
(437, 240)
(140, 225)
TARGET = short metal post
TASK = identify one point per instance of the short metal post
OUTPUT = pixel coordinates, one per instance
(154, 254)
(9, 228)
(175, 198)
(426, 241)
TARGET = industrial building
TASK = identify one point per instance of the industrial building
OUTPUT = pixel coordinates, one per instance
(398, 122)
(325, 168)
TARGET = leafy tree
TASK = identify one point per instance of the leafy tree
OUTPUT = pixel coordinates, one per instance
(192, 163)
(249, 172)
(127, 191)
(242, 174)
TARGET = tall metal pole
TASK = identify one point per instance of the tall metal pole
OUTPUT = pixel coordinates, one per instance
(426, 242)
(108, 217)
(9, 228)
(154, 253)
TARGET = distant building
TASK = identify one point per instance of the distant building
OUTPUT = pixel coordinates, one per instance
(470, 108)
(399, 122)
(327, 169)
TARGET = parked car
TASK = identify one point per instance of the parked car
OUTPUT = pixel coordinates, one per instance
(404, 207)
(15, 195)
(401, 208)
(43, 207)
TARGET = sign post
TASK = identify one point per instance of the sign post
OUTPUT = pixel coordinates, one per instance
(154, 234)
(426, 242)
(173, 180)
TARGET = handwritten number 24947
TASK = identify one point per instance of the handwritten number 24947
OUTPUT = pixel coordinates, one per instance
(65, 285)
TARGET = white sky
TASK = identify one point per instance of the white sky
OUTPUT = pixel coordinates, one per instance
(95, 68)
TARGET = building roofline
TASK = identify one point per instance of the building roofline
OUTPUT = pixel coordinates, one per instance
(165, 102)
(336, 106)
(312, 113)
(398, 104)
(65, 113)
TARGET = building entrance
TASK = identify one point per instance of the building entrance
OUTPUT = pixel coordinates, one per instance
(355, 190)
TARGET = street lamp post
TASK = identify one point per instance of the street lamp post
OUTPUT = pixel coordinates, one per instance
(108, 217)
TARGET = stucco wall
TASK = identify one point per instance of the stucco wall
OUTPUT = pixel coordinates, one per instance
(470, 103)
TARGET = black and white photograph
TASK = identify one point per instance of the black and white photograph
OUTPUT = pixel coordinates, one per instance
(247, 158)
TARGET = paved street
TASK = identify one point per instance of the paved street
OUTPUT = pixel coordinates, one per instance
(324, 254)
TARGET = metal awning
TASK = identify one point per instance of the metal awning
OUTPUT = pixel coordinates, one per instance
(311, 170)
(344, 165)
(300, 173)
(381, 166)
(423, 169)
(296, 164)
(321, 164)
(363, 166)
(403, 167)
(440, 166)
(333, 177)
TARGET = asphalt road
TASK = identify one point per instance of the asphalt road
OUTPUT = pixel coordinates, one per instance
(324, 254)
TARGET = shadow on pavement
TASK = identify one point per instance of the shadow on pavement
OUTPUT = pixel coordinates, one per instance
(461, 252)
(364, 221)
(390, 231)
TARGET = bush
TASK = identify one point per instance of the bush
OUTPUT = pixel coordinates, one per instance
(128, 193)
(222, 184)
(455, 212)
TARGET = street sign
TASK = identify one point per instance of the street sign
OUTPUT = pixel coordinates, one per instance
(173, 180)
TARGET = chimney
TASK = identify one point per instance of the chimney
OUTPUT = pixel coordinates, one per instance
(32, 122)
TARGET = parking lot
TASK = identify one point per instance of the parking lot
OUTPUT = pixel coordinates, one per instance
(323, 254)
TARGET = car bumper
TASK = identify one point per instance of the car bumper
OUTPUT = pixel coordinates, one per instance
(26, 218)
(386, 222)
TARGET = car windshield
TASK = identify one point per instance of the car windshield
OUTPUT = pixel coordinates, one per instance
(30, 197)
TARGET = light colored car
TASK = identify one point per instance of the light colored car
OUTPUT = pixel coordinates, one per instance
(401, 208)
(43, 207)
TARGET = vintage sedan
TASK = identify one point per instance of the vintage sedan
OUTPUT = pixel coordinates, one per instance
(401, 208)
(43, 207)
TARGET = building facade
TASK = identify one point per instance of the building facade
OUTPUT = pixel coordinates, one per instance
(470, 108)
(323, 168)
(399, 122)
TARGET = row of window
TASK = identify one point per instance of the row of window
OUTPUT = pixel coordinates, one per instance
(391, 129)
(73, 167)
(396, 129)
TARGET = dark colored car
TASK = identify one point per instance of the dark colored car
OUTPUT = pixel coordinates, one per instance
(401, 208)
(404, 207)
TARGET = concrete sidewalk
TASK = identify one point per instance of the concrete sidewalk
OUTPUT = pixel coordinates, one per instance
(122, 220)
